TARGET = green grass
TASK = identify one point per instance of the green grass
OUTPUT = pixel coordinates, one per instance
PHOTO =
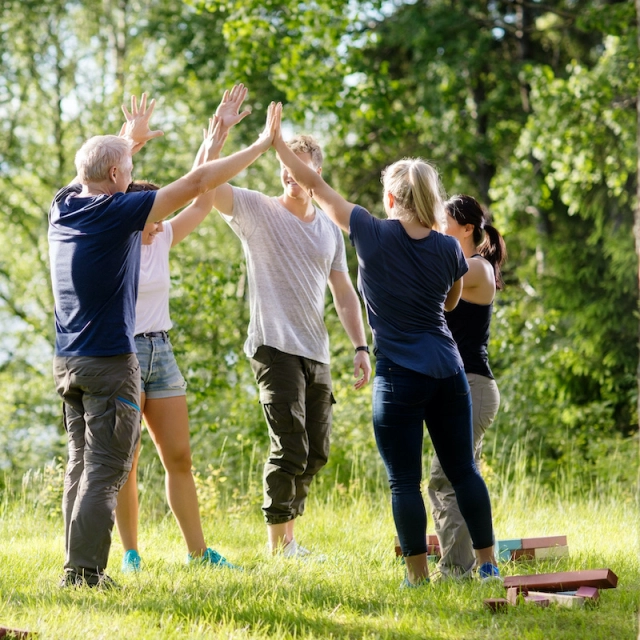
(354, 594)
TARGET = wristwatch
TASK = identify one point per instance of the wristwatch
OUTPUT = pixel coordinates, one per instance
(364, 347)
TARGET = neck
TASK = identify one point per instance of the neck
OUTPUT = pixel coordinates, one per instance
(468, 248)
(300, 207)
(414, 229)
(98, 189)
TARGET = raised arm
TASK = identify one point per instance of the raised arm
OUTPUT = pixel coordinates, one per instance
(229, 112)
(227, 115)
(191, 216)
(213, 172)
(349, 311)
(331, 202)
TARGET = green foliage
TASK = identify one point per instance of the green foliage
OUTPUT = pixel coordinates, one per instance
(530, 107)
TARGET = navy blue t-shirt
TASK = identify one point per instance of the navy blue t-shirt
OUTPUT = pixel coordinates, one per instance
(404, 283)
(94, 249)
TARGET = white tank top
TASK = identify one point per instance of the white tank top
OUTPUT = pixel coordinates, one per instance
(152, 307)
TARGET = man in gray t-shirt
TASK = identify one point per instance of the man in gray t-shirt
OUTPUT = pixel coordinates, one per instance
(293, 251)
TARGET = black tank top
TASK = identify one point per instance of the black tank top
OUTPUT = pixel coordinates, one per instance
(469, 324)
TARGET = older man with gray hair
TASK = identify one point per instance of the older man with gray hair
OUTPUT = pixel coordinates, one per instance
(94, 246)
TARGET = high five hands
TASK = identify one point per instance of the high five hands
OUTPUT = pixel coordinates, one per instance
(214, 138)
(271, 127)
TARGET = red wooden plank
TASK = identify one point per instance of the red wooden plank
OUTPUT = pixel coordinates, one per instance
(590, 593)
(545, 541)
(564, 581)
(496, 604)
(15, 633)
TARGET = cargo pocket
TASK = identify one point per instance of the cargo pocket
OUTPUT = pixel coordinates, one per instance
(282, 411)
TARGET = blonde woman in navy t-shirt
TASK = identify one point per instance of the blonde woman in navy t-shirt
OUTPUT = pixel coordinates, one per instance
(408, 274)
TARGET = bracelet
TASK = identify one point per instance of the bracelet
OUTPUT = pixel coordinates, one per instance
(363, 348)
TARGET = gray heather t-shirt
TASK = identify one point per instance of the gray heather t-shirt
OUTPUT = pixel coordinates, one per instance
(288, 264)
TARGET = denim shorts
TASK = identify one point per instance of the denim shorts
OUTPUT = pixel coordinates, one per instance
(159, 372)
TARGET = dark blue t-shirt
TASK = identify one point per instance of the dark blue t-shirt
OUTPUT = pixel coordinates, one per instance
(94, 249)
(404, 283)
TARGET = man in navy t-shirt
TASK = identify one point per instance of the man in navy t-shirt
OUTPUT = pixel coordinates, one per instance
(94, 248)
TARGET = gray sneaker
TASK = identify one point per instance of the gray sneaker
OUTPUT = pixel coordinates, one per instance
(293, 550)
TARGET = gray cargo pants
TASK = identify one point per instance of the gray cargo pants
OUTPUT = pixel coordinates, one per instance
(102, 419)
(458, 557)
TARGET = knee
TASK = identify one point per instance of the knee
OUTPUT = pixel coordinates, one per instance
(405, 483)
(291, 465)
(315, 463)
(178, 461)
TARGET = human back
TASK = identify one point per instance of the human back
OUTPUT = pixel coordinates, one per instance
(404, 283)
(94, 252)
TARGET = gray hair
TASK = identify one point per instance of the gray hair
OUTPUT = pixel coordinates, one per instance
(417, 191)
(98, 154)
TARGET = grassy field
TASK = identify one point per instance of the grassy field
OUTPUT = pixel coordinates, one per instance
(353, 594)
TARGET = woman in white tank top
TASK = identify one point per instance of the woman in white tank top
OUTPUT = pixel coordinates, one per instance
(163, 399)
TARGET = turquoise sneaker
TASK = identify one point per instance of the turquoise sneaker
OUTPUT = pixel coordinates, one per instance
(405, 584)
(488, 572)
(131, 562)
(211, 557)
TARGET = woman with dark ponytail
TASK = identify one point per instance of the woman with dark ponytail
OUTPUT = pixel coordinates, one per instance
(485, 251)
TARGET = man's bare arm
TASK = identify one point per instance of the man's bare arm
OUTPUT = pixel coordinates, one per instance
(214, 172)
(349, 311)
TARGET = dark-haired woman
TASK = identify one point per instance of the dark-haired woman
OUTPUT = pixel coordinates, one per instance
(469, 323)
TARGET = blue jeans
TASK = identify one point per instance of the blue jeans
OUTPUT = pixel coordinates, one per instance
(402, 401)
(159, 372)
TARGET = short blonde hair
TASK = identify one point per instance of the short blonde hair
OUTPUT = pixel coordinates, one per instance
(417, 191)
(98, 154)
(307, 144)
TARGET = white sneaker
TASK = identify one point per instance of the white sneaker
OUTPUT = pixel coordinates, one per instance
(293, 550)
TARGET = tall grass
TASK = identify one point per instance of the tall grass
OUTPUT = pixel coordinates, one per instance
(354, 594)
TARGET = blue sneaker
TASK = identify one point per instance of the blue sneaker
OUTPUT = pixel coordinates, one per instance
(211, 557)
(488, 571)
(131, 562)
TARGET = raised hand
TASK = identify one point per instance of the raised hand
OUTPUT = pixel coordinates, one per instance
(229, 107)
(214, 138)
(271, 127)
(136, 127)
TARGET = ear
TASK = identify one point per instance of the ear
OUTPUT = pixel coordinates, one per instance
(390, 199)
(468, 230)
(113, 173)
(319, 171)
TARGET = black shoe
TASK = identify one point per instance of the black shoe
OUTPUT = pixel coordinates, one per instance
(99, 580)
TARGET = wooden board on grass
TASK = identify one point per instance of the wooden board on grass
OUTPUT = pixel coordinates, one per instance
(564, 581)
